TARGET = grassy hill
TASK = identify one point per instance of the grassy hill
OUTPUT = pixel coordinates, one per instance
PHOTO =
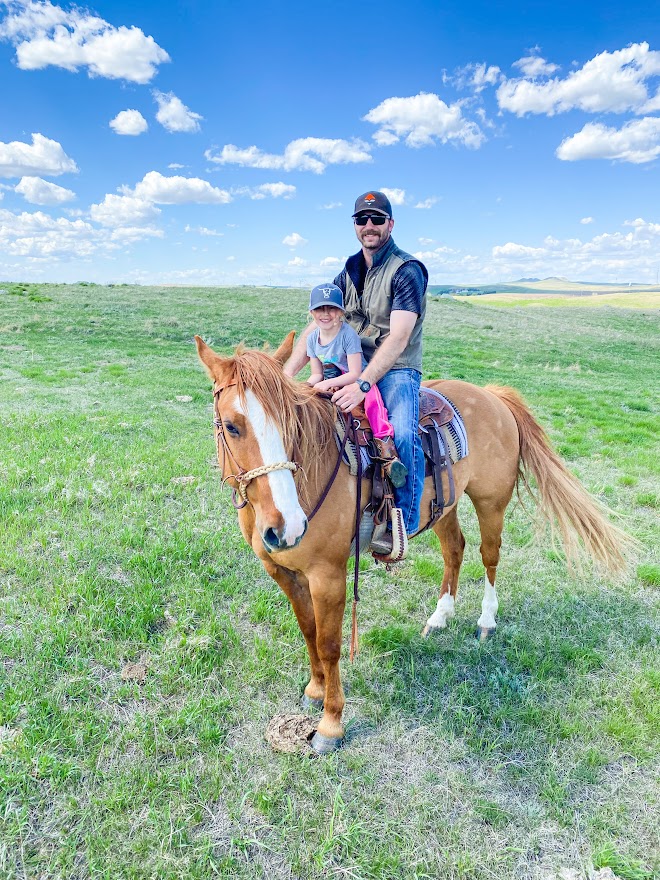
(143, 649)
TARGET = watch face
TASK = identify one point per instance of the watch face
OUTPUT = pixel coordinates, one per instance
(364, 385)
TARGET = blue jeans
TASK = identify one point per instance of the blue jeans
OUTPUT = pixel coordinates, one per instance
(400, 391)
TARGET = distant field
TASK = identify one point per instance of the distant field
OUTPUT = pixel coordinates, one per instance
(621, 299)
(143, 649)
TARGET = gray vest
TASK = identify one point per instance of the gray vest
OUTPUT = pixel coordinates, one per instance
(370, 315)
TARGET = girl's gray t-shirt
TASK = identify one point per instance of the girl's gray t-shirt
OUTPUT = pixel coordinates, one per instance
(336, 352)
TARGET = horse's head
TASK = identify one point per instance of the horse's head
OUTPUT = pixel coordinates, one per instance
(249, 391)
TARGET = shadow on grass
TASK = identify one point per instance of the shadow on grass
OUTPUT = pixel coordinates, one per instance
(566, 668)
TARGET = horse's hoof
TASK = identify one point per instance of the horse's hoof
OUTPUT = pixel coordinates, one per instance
(483, 633)
(325, 745)
(310, 703)
(429, 630)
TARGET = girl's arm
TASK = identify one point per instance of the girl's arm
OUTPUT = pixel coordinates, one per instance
(317, 372)
(354, 370)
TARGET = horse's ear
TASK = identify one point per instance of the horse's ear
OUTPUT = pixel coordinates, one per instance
(213, 363)
(283, 353)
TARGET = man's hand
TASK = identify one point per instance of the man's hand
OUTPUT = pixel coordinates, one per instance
(348, 397)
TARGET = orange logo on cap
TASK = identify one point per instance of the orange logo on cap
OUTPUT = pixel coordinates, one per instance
(370, 197)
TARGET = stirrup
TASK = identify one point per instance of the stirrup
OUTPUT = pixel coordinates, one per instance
(391, 546)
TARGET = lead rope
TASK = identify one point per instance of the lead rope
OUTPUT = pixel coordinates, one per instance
(355, 648)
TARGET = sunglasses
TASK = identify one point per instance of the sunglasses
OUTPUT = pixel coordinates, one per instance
(376, 219)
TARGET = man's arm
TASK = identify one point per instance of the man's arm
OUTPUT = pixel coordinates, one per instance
(401, 326)
(299, 357)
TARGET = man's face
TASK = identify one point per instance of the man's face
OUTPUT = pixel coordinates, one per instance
(373, 237)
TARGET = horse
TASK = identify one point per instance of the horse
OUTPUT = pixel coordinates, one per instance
(276, 440)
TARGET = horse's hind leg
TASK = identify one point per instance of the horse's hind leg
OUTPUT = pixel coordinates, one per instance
(491, 522)
(452, 543)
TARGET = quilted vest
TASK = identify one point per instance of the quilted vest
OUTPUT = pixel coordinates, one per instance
(369, 315)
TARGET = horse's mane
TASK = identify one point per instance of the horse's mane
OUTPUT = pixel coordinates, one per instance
(306, 420)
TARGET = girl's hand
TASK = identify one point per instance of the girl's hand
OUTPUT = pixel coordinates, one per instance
(327, 386)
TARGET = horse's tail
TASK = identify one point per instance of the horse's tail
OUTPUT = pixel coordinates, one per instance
(562, 500)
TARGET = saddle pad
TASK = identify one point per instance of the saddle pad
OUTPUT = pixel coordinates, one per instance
(456, 433)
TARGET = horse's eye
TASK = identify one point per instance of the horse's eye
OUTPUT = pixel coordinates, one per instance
(231, 429)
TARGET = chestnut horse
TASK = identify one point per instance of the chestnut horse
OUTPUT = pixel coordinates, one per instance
(276, 441)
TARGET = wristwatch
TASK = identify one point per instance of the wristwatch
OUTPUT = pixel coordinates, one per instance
(364, 385)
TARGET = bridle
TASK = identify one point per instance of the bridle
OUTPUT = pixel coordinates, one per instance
(242, 478)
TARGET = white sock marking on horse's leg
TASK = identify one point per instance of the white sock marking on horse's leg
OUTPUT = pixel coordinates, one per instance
(489, 606)
(443, 613)
(282, 485)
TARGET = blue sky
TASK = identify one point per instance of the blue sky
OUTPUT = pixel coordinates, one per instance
(215, 143)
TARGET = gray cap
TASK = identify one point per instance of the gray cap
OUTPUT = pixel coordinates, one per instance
(326, 295)
(373, 201)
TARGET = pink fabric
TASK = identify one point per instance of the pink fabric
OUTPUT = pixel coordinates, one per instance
(377, 414)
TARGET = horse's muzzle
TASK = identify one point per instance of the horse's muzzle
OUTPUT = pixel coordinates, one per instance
(275, 539)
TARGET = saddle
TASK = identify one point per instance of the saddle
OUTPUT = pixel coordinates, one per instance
(435, 415)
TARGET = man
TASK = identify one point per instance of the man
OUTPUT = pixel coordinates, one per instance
(385, 299)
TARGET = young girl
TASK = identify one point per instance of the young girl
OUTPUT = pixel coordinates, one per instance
(336, 358)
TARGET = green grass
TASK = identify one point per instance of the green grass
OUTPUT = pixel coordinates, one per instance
(519, 758)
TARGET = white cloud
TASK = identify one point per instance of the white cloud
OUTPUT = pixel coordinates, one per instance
(586, 220)
(278, 190)
(176, 190)
(638, 141)
(511, 249)
(475, 77)
(303, 154)
(427, 203)
(425, 241)
(129, 122)
(422, 120)
(173, 114)
(123, 210)
(46, 35)
(41, 192)
(274, 190)
(294, 240)
(203, 230)
(533, 66)
(331, 262)
(44, 157)
(617, 255)
(297, 261)
(612, 82)
(331, 206)
(396, 196)
(437, 257)
(40, 236)
(175, 166)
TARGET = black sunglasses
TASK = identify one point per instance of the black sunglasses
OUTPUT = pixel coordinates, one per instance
(376, 219)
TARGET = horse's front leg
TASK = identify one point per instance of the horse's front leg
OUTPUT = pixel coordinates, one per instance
(296, 588)
(327, 586)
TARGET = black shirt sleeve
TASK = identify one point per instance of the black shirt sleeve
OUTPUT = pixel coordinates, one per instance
(408, 287)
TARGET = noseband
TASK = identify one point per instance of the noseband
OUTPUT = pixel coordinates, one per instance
(243, 478)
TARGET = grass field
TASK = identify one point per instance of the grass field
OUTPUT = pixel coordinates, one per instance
(143, 649)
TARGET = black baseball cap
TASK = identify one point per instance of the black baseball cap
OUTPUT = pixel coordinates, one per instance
(374, 201)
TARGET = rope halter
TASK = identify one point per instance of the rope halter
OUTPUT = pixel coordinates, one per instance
(244, 478)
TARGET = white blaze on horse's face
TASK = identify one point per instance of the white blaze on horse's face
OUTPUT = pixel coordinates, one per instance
(281, 483)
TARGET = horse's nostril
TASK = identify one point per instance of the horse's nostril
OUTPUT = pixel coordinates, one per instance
(271, 538)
